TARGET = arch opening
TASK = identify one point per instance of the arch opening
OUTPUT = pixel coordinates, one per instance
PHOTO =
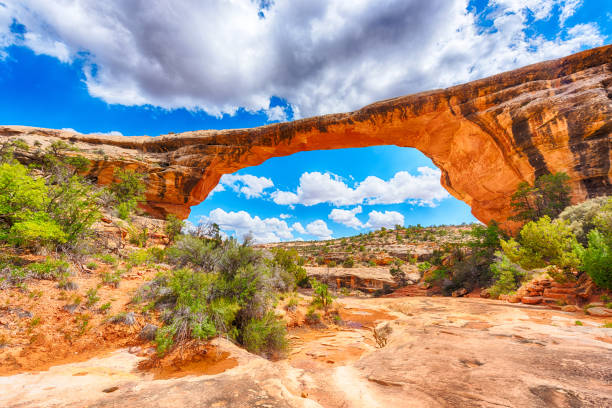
(317, 195)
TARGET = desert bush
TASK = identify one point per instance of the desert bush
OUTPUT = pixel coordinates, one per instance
(112, 279)
(544, 243)
(137, 236)
(348, 262)
(127, 191)
(424, 267)
(312, 317)
(37, 232)
(289, 261)
(145, 256)
(581, 217)
(439, 274)
(173, 227)
(508, 276)
(381, 334)
(50, 269)
(597, 259)
(23, 200)
(229, 290)
(266, 335)
(92, 297)
(74, 206)
(193, 252)
(471, 266)
(56, 209)
(322, 298)
(107, 258)
(292, 304)
(12, 275)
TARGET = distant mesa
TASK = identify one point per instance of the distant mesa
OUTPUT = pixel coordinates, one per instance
(486, 136)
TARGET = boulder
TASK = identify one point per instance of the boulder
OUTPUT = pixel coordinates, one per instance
(148, 332)
(599, 311)
(531, 300)
(459, 292)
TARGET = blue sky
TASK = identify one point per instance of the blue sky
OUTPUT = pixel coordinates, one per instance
(158, 69)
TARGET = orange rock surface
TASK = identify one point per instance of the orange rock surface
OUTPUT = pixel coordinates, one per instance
(486, 136)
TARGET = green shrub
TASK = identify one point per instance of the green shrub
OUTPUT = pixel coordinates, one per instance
(312, 317)
(544, 243)
(348, 262)
(581, 217)
(92, 297)
(288, 260)
(193, 252)
(266, 335)
(231, 293)
(597, 259)
(127, 191)
(107, 259)
(92, 265)
(105, 307)
(603, 219)
(424, 267)
(293, 303)
(74, 206)
(174, 226)
(12, 275)
(148, 256)
(36, 232)
(508, 277)
(51, 269)
(55, 210)
(549, 196)
(112, 278)
(321, 297)
(438, 275)
(138, 236)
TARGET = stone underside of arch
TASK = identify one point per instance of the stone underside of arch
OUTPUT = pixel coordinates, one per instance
(486, 136)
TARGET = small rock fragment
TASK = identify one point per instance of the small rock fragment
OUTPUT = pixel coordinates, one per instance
(148, 332)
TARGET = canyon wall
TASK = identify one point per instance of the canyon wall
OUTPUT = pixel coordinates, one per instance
(486, 136)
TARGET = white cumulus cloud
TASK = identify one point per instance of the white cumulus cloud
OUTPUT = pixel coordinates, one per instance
(247, 184)
(321, 56)
(299, 228)
(319, 229)
(387, 219)
(241, 223)
(347, 217)
(315, 188)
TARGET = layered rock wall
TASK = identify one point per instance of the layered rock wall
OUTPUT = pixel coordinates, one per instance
(486, 136)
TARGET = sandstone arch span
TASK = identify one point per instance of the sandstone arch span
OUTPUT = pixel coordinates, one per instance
(486, 136)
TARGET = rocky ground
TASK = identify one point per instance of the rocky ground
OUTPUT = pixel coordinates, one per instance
(431, 352)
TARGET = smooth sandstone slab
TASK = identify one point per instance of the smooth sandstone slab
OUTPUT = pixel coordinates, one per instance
(486, 136)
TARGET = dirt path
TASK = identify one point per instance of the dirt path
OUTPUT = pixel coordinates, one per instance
(440, 352)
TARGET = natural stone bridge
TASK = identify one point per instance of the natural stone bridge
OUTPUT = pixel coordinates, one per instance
(485, 136)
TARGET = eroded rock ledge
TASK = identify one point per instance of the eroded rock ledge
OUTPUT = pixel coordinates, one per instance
(486, 136)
